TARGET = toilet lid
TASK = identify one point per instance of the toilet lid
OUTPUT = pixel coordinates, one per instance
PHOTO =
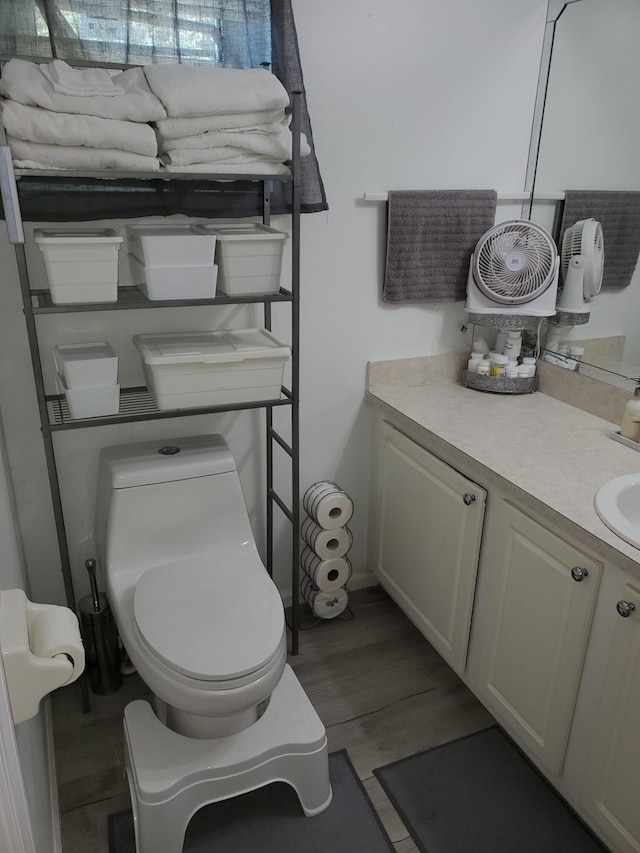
(215, 618)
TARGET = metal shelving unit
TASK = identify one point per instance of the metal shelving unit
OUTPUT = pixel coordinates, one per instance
(137, 404)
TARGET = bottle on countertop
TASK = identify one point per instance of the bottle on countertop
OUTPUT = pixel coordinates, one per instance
(630, 426)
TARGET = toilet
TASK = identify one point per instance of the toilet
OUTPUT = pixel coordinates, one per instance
(204, 625)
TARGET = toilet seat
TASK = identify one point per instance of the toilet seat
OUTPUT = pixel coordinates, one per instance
(187, 615)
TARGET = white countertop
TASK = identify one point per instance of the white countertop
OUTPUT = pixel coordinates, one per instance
(556, 453)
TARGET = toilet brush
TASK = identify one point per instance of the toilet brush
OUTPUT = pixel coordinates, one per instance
(100, 636)
(93, 583)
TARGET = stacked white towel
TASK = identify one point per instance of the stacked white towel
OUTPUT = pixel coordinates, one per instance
(223, 120)
(56, 117)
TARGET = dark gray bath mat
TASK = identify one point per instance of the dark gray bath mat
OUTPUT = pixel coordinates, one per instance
(270, 819)
(479, 794)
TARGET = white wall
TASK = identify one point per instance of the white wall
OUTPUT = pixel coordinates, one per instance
(417, 94)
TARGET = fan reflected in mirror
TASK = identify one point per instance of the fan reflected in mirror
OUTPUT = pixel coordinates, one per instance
(582, 268)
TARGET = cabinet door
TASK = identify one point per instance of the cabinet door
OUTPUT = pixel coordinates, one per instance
(530, 631)
(611, 793)
(429, 541)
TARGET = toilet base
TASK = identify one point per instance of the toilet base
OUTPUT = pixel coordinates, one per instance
(171, 776)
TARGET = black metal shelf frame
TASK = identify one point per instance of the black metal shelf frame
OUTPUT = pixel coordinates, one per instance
(136, 403)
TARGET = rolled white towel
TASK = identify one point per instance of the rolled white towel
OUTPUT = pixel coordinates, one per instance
(34, 124)
(84, 83)
(197, 90)
(24, 82)
(78, 157)
(176, 128)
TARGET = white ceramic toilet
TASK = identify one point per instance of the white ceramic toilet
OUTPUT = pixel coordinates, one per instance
(204, 625)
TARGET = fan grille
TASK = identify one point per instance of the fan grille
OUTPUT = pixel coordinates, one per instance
(514, 262)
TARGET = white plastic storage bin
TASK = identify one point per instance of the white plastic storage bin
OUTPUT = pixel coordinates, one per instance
(174, 282)
(195, 369)
(171, 245)
(82, 365)
(81, 264)
(92, 401)
(249, 257)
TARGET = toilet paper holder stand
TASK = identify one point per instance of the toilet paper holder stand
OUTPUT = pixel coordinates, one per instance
(41, 650)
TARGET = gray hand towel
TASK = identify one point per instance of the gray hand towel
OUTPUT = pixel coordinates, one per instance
(430, 237)
(619, 215)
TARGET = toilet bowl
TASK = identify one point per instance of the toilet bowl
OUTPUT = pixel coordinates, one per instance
(199, 616)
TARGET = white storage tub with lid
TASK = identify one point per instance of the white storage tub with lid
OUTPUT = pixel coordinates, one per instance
(171, 283)
(195, 369)
(171, 245)
(83, 365)
(81, 263)
(249, 257)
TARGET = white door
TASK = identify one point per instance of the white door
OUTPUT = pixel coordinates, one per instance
(29, 820)
(611, 793)
(534, 608)
(430, 525)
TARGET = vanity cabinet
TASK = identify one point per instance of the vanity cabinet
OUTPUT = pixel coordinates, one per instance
(611, 790)
(428, 529)
(549, 653)
(531, 623)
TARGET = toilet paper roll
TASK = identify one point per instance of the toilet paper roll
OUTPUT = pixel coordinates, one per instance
(327, 575)
(326, 543)
(325, 605)
(328, 505)
(54, 631)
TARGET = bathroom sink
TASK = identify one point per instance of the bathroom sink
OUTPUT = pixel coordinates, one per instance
(618, 505)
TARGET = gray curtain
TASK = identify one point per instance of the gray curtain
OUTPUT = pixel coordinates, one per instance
(233, 33)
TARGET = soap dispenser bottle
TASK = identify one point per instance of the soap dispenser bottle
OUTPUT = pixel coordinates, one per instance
(630, 426)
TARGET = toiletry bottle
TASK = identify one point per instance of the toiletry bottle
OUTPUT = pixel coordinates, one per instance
(513, 344)
(630, 426)
(498, 363)
(501, 337)
(472, 364)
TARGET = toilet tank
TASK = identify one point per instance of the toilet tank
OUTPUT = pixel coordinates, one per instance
(166, 500)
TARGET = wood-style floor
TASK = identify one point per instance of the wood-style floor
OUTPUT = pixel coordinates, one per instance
(380, 689)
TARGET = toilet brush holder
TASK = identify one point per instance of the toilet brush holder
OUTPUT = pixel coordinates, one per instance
(101, 644)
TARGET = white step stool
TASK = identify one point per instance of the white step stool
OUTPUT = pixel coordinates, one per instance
(171, 776)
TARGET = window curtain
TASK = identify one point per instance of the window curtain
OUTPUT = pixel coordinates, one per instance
(233, 33)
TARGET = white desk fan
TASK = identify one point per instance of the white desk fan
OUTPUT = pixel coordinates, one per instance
(514, 270)
(582, 266)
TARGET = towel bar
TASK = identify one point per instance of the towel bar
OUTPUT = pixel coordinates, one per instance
(522, 195)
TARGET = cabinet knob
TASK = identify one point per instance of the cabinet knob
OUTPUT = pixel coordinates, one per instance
(579, 574)
(468, 498)
(625, 608)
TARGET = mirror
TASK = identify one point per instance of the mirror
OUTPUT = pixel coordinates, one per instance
(588, 115)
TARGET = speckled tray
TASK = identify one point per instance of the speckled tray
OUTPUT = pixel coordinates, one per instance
(500, 385)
